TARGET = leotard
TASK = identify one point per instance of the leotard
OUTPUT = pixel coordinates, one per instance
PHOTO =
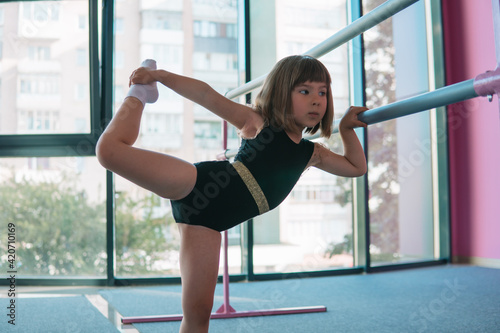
(263, 173)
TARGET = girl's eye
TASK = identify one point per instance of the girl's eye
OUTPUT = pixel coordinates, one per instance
(304, 92)
(322, 93)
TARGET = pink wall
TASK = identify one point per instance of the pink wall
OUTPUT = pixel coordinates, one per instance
(474, 132)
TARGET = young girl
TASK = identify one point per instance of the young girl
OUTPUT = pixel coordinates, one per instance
(213, 196)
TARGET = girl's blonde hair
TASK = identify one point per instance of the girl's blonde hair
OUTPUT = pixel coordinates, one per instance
(274, 101)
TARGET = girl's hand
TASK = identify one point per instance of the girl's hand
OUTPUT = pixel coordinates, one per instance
(353, 162)
(350, 119)
(142, 75)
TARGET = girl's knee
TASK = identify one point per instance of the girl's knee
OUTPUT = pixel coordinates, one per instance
(104, 151)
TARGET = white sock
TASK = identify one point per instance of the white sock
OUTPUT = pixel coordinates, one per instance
(146, 93)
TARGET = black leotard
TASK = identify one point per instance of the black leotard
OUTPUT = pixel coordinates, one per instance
(264, 172)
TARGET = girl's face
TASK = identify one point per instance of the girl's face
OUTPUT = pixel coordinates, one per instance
(309, 100)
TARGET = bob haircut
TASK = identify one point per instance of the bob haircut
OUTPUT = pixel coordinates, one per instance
(274, 101)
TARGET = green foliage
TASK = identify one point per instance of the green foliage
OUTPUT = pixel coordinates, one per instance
(144, 235)
(340, 248)
(58, 231)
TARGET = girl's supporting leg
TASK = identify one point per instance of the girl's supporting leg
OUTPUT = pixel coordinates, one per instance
(165, 175)
(199, 262)
(171, 178)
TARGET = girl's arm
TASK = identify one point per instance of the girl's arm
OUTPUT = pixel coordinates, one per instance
(353, 162)
(241, 116)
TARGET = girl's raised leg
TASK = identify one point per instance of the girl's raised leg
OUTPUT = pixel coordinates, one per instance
(199, 263)
(165, 175)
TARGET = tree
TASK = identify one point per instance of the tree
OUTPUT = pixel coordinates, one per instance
(58, 231)
(340, 248)
(145, 235)
(382, 139)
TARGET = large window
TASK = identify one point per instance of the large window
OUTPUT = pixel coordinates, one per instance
(313, 228)
(147, 241)
(64, 71)
(400, 150)
(51, 186)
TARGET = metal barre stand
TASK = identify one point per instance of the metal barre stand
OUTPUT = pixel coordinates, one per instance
(226, 310)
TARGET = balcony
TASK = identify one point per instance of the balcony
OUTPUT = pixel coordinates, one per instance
(170, 5)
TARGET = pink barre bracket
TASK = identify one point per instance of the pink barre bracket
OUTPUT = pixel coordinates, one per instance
(488, 84)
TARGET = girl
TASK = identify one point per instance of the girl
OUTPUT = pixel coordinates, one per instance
(213, 196)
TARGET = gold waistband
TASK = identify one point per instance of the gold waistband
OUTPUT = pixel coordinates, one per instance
(253, 186)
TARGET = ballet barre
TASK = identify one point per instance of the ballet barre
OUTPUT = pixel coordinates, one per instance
(486, 85)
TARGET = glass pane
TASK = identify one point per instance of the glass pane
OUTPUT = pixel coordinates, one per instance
(399, 160)
(57, 206)
(312, 229)
(44, 57)
(201, 41)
